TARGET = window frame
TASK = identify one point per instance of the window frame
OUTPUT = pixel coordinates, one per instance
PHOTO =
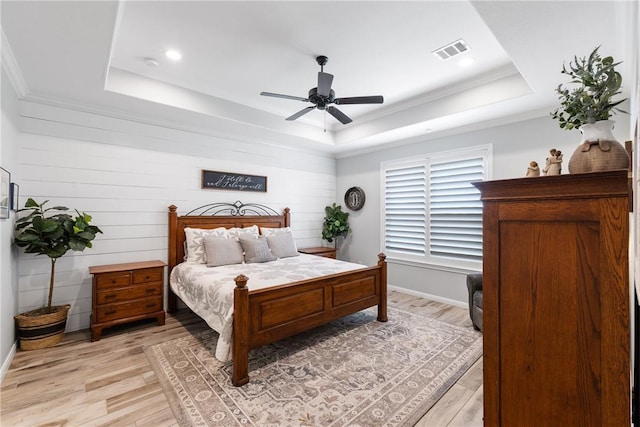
(485, 152)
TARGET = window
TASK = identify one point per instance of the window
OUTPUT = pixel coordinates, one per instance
(405, 208)
(432, 212)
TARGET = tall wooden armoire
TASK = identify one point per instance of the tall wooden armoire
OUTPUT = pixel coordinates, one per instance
(556, 300)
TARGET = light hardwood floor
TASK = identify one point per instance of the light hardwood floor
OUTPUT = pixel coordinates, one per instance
(111, 383)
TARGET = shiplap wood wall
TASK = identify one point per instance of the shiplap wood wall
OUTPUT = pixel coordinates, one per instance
(126, 174)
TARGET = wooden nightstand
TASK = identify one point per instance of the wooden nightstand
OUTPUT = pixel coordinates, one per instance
(126, 292)
(324, 251)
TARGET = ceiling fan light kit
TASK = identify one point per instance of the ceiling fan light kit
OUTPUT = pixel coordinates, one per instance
(323, 96)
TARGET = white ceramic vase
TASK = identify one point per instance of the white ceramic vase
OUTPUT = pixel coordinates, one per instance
(599, 150)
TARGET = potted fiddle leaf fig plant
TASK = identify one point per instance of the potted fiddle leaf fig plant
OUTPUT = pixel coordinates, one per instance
(335, 223)
(51, 232)
(588, 106)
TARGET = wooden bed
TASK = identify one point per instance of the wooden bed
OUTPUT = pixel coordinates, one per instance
(267, 315)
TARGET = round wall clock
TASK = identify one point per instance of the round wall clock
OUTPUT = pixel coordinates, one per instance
(354, 198)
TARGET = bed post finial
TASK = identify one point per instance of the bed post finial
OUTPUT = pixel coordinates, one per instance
(173, 208)
(241, 281)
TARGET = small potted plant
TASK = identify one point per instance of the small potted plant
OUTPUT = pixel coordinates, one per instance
(589, 107)
(51, 232)
(335, 223)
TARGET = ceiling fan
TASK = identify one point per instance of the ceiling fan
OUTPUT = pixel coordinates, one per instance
(323, 96)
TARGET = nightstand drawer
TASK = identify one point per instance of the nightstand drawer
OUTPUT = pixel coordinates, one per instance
(127, 294)
(106, 313)
(148, 275)
(113, 280)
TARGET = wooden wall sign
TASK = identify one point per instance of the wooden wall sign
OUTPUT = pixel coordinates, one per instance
(233, 181)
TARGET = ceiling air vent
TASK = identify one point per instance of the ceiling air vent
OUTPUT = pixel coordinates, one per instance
(452, 49)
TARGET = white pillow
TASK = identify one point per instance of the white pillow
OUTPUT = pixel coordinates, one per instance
(195, 245)
(222, 251)
(236, 232)
(267, 231)
(282, 245)
(256, 250)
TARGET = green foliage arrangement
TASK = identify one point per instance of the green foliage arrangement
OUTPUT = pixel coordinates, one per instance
(598, 82)
(52, 232)
(335, 223)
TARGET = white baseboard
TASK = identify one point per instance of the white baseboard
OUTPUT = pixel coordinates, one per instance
(7, 362)
(429, 296)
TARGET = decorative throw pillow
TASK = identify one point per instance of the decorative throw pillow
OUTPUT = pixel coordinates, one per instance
(195, 245)
(222, 251)
(268, 231)
(236, 232)
(282, 245)
(256, 249)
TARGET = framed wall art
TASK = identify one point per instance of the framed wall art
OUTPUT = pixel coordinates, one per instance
(233, 181)
(14, 194)
(5, 180)
(354, 198)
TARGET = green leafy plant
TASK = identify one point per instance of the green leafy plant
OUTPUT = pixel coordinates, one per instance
(335, 223)
(52, 232)
(598, 82)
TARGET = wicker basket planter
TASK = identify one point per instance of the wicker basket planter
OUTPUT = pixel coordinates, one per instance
(37, 330)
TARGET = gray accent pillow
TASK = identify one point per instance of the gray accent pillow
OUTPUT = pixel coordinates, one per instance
(256, 250)
(222, 251)
(282, 245)
(195, 247)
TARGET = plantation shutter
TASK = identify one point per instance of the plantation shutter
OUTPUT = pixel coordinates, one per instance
(455, 209)
(405, 209)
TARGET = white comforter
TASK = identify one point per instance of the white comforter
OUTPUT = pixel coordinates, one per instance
(208, 291)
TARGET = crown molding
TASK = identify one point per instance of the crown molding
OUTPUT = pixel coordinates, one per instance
(12, 68)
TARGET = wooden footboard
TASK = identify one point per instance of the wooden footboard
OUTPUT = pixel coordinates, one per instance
(267, 315)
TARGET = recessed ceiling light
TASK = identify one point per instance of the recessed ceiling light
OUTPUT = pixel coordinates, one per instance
(173, 54)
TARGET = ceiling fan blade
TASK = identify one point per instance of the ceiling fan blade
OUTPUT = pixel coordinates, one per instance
(324, 83)
(300, 113)
(342, 117)
(360, 100)
(278, 95)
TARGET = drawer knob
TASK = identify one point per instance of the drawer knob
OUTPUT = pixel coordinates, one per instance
(111, 312)
(150, 290)
(150, 305)
(110, 296)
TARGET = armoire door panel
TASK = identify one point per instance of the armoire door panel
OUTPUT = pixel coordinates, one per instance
(559, 322)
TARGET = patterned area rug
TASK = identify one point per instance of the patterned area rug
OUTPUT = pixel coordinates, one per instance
(352, 372)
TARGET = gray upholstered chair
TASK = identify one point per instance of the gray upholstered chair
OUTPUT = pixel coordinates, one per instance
(474, 285)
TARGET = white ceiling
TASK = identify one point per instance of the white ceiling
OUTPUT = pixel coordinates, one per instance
(91, 55)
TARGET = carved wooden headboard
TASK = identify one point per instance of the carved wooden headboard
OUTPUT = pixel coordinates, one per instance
(216, 215)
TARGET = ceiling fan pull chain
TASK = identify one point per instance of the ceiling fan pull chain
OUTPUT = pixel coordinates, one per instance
(325, 120)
